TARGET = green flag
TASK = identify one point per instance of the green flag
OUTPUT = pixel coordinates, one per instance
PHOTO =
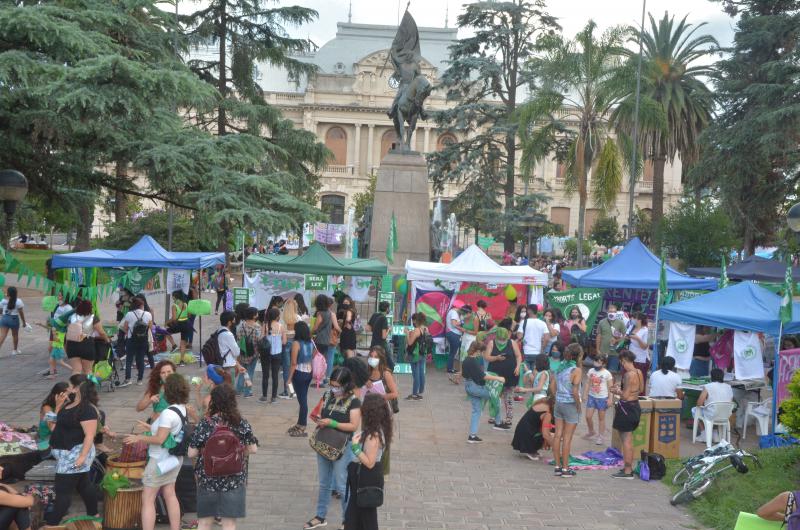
(391, 242)
(723, 276)
(662, 281)
(587, 301)
(786, 301)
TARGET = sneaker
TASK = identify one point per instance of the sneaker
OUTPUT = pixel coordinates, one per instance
(418, 397)
(273, 401)
(621, 474)
(310, 525)
(568, 473)
(518, 398)
(491, 421)
(535, 457)
(502, 427)
(127, 382)
(410, 397)
(284, 395)
(474, 440)
(15, 352)
(263, 399)
(292, 395)
(599, 440)
(139, 382)
(247, 396)
(558, 471)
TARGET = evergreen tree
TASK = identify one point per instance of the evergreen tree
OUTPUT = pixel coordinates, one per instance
(751, 150)
(274, 189)
(484, 78)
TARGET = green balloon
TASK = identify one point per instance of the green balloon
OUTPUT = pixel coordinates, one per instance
(49, 303)
(401, 285)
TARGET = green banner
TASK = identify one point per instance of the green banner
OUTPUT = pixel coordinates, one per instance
(384, 296)
(316, 282)
(241, 295)
(485, 242)
(135, 280)
(588, 301)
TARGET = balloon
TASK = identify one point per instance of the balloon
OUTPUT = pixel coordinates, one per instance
(511, 293)
(401, 286)
(49, 303)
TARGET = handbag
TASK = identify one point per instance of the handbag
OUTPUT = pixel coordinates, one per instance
(393, 403)
(369, 492)
(329, 443)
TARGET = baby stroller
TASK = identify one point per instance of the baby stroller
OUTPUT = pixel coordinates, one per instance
(159, 339)
(107, 368)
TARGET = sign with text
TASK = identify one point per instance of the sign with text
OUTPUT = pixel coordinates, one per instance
(316, 282)
(788, 364)
(587, 301)
(241, 295)
(384, 296)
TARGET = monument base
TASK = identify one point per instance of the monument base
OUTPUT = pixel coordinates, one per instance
(402, 188)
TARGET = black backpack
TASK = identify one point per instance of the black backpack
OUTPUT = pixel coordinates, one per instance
(139, 330)
(579, 336)
(210, 350)
(657, 465)
(187, 429)
(426, 345)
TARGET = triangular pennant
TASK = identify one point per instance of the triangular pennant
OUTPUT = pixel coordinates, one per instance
(39, 281)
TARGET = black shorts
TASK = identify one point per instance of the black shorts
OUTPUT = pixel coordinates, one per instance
(83, 350)
(184, 327)
(626, 416)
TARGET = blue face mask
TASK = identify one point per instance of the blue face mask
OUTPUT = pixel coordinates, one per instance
(556, 354)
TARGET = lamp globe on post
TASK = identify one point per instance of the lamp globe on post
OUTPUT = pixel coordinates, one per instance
(13, 189)
(793, 218)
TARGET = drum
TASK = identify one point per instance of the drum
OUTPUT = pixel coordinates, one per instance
(132, 470)
(124, 511)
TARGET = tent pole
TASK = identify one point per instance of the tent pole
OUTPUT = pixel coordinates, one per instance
(654, 364)
(775, 380)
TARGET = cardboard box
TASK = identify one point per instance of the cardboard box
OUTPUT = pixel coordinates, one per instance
(641, 436)
(665, 430)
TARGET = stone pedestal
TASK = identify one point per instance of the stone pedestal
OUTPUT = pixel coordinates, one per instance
(402, 188)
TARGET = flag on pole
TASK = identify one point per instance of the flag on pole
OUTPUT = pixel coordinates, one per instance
(723, 276)
(788, 292)
(391, 242)
(662, 281)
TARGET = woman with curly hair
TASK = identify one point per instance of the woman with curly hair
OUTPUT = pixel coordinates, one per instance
(154, 395)
(223, 496)
(368, 448)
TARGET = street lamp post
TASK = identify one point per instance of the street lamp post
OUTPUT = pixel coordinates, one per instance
(625, 232)
(13, 189)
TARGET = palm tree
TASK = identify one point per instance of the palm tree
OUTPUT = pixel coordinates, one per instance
(671, 86)
(568, 115)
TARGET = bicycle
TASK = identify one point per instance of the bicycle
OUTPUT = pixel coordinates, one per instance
(699, 472)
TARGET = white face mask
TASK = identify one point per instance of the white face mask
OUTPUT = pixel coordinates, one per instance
(373, 362)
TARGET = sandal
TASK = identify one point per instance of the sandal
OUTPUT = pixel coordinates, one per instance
(316, 522)
(298, 433)
(189, 525)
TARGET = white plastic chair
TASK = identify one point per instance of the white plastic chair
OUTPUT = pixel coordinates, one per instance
(759, 411)
(720, 419)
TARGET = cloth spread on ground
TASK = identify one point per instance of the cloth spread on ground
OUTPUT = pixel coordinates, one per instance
(608, 459)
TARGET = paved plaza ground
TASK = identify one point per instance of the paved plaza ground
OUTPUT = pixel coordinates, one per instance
(437, 480)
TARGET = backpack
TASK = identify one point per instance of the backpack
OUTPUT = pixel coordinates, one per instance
(223, 453)
(319, 368)
(579, 336)
(210, 350)
(182, 449)
(139, 330)
(426, 346)
(657, 465)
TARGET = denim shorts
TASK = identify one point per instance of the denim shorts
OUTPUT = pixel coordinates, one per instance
(597, 403)
(9, 321)
(567, 412)
(227, 504)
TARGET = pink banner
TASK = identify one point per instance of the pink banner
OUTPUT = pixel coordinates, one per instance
(788, 364)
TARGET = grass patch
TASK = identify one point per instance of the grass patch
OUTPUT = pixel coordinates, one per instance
(732, 492)
(32, 258)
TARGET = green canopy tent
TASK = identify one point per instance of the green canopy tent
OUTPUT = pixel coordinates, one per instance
(316, 260)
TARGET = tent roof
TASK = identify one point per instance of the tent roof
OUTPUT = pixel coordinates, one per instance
(473, 265)
(635, 267)
(753, 268)
(316, 260)
(744, 306)
(145, 253)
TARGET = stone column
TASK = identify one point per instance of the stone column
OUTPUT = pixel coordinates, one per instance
(357, 150)
(426, 140)
(414, 140)
(370, 145)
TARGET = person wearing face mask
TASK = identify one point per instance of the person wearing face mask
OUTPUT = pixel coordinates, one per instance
(505, 360)
(381, 381)
(610, 332)
(347, 319)
(72, 445)
(597, 396)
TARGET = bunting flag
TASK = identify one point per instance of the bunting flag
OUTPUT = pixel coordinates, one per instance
(47, 286)
(788, 293)
(662, 281)
(391, 243)
(723, 276)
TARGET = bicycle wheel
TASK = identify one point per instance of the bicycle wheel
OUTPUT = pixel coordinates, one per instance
(682, 475)
(690, 493)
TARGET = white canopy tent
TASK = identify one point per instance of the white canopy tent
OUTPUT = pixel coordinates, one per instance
(473, 265)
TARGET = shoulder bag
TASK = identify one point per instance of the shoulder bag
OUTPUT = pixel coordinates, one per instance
(369, 492)
(330, 443)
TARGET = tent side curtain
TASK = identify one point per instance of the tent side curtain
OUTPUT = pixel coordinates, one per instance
(316, 260)
(146, 254)
(635, 267)
(744, 306)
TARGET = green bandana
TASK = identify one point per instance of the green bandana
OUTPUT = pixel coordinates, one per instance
(501, 334)
(564, 365)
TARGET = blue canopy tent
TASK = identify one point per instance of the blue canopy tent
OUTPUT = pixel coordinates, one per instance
(146, 254)
(744, 306)
(635, 267)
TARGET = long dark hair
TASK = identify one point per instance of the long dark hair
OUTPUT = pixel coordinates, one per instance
(376, 420)
(223, 404)
(89, 396)
(301, 332)
(322, 303)
(666, 364)
(11, 294)
(50, 400)
(273, 315)
(344, 377)
(302, 308)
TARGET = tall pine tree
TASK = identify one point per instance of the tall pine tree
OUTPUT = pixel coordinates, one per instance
(751, 151)
(484, 79)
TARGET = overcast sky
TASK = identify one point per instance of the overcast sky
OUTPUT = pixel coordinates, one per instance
(572, 14)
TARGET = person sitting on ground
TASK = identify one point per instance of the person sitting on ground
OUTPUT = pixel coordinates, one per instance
(780, 508)
(14, 507)
(665, 382)
(717, 391)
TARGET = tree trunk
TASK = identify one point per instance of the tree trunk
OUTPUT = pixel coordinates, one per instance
(749, 239)
(84, 231)
(222, 86)
(508, 191)
(659, 161)
(120, 198)
(581, 221)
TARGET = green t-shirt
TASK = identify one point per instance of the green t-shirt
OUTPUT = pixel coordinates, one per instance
(604, 328)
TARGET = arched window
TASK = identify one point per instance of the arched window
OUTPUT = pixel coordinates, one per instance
(333, 207)
(388, 138)
(336, 141)
(445, 140)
